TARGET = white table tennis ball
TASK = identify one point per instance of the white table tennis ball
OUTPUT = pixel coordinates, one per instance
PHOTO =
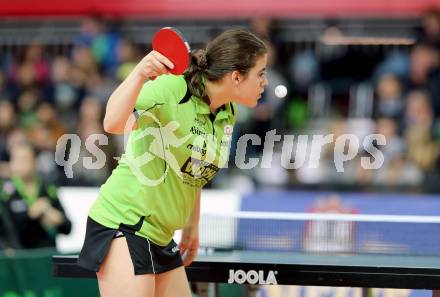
(280, 91)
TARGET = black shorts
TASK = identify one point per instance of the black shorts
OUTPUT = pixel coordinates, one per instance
(147, 257)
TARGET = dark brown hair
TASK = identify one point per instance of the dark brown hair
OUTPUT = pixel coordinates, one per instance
(232, 50)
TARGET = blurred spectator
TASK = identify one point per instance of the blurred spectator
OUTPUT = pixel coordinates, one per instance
(66, 90)
(396, 169)
(90, 123)
(16, 137)
(304, 70)
(128, 56)
(32, 68)
(389, 97)
(84, 61)
(422, 150)
(418, 111)
(398, 172)
(7, 121)
(418, 131)
(42, 137)
(47, 116)
(262, 27)
(31, 212)
(423, 60)
(102, 42)
(396, 62)
(395, 145)
(91, 111)
(430, 31)
(425, 73)
(27, 104)
(62, 91)
(100, 86)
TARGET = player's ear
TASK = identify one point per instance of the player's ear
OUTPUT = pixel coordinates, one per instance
(236, 77)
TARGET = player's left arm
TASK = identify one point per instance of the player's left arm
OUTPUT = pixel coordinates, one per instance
(189, 243)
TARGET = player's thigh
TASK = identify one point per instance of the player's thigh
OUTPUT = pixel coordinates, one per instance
(172, 283)
(116, 275)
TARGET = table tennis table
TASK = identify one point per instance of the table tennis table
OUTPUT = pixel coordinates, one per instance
(254, 268)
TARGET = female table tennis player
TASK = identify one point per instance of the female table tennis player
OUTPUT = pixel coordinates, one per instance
(131, 225)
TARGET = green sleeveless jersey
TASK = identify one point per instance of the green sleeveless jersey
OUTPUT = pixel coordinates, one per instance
(177, 148)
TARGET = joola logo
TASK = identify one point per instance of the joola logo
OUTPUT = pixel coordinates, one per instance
(252, 277)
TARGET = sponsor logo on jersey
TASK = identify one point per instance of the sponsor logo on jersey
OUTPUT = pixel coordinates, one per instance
(197, 149)
(200, 121)
(196, 131)
(199, 169)
(228, 130)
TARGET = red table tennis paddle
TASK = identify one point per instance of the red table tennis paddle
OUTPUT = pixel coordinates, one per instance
(170, 42)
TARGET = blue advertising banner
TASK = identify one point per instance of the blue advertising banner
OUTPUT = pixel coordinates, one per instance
(392, 226)
(386, 232)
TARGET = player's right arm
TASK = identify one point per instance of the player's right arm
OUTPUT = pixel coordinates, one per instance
(122, 101)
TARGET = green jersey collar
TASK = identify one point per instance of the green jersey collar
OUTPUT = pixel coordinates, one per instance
(224, 111)
(201, 106)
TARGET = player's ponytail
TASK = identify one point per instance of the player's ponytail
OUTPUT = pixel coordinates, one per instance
(195, 71)
(232, 50)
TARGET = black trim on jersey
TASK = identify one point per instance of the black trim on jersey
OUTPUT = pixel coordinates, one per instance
(132, 228)
(187, 96)
(232, 108)
(136, 113)
(212, 118)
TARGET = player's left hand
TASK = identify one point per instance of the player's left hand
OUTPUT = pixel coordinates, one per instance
(189, 244)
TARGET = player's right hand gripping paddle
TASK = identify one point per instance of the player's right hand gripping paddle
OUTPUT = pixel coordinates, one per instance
(171, 43)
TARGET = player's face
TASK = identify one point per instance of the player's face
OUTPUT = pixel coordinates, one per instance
(250, 87)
